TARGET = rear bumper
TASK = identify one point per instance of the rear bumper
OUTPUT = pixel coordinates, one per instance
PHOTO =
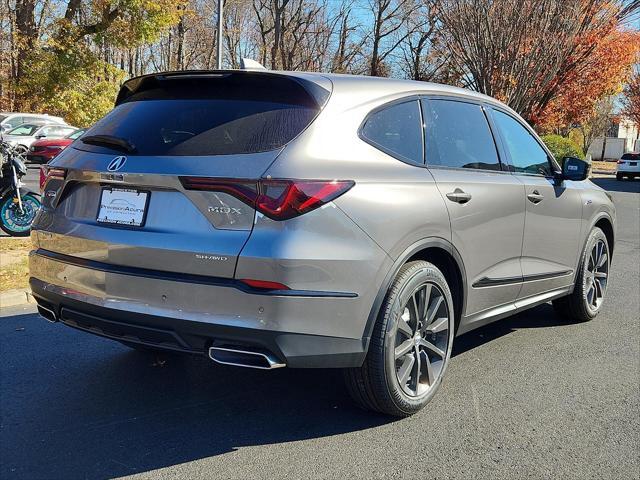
(302, 331)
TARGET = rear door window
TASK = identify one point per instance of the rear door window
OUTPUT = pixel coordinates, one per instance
(397, 130)
(458, 135)
(209, 116)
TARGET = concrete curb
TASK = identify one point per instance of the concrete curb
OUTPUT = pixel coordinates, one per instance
(18, 296)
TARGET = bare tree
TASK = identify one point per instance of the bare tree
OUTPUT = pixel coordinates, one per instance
(239, 31)
(389, 18)
(597, 124)
(346, 49)
(291, 33)
(520, 51)
(419, 60)
(631, 99)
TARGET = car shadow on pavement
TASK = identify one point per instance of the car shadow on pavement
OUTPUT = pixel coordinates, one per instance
(542, 316)
(78, 406)
(613, 185)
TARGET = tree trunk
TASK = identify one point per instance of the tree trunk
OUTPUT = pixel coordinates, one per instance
(180, 48)
(26, 33)
(604, 146)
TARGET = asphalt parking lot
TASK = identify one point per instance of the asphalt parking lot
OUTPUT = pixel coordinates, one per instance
(529, 397)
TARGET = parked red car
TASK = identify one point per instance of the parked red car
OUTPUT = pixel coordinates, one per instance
(41, 151)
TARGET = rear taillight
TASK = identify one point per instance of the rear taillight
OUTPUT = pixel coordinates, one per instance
(620, 162)
(277, 199)
(48, 173)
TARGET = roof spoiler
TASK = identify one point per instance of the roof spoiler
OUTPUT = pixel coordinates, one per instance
(221, 79)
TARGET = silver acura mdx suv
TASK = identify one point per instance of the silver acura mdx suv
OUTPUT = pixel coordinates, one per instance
(271, 219)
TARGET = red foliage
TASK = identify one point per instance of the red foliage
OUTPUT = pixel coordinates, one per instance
(602, 72)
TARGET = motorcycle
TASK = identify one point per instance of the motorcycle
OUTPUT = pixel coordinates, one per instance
(18, 204)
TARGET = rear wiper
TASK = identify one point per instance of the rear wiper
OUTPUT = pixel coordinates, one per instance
(109, 141)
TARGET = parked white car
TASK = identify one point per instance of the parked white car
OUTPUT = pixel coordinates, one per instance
(10, 120)
(24, 135)
(628, 166)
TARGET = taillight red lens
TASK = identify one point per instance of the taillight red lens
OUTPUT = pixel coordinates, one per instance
(284, 199)
(43, 177)
(245, 190)
(277, 199)
(48, 173)
(620, 162)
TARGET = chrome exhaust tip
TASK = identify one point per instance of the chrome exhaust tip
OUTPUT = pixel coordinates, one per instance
(241, 357)
(48, 314)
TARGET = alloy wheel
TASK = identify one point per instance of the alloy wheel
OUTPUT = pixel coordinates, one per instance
(596, 275)
(422, 340)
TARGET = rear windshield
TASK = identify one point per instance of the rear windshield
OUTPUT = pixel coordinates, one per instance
(631, 156)
(208, 117)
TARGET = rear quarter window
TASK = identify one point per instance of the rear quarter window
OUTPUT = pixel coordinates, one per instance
(396, 130)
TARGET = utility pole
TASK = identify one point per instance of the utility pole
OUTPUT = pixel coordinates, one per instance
(219, 59)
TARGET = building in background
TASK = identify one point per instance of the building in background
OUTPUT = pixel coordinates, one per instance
(621, 137)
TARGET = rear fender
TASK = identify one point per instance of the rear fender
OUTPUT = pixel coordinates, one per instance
(400, 261)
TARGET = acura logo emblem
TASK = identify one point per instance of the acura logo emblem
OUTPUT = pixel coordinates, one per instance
(116, 164)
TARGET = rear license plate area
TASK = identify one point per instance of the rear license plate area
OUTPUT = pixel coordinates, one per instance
(121, 206)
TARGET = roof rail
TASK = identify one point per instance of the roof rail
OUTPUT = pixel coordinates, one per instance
(249, 64)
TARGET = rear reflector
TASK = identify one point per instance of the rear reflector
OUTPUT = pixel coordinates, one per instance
(277, 199)
(264, 284)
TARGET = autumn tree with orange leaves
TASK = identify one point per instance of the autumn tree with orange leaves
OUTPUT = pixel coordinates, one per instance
(550, 60)
(603, 73)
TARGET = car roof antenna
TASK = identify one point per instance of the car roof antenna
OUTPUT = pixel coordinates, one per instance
(249, 64)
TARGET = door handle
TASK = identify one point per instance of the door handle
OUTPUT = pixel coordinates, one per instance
(535, 197)
(459, 196)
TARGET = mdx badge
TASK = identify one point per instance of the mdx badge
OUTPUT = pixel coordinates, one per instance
(233, 210)
(117, 163)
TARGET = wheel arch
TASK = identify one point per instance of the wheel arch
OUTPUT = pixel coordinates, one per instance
(443, 255)
(604, 223)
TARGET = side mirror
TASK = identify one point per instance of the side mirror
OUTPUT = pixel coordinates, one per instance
(42, 135)
(575, 169)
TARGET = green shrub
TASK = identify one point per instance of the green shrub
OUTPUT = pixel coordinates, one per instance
(562, 147)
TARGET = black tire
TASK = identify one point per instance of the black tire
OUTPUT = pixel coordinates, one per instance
(576, 306)
(619, 176)
(376, 385)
